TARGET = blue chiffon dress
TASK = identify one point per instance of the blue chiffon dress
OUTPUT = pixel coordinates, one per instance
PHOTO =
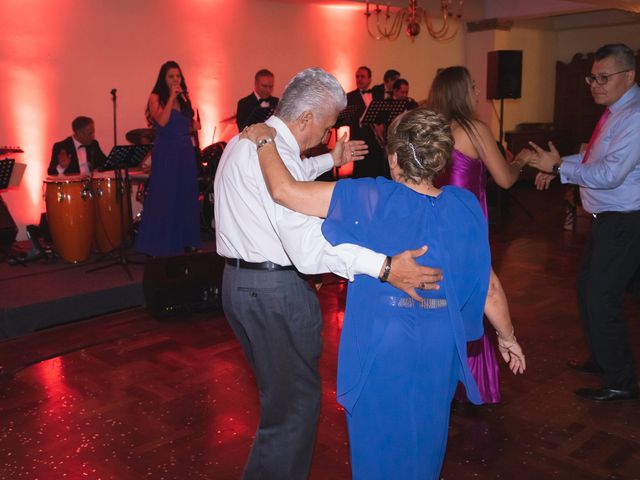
(399, 360)
(171, 214)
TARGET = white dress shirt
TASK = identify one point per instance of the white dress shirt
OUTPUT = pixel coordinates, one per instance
(252, 227)
(82, 159)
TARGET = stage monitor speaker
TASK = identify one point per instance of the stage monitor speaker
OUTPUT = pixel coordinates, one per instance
(8, 228)
(183, 284)
(504, 74)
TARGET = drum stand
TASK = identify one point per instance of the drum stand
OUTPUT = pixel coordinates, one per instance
(123, 193)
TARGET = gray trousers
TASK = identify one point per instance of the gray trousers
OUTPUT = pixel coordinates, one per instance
(277, 320)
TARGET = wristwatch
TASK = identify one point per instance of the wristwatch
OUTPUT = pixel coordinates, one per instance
(263, 142)
(556, 169)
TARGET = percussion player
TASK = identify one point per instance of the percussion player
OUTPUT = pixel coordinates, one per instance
(78, 154)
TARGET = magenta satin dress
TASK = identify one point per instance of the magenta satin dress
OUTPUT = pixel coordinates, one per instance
(470, 173)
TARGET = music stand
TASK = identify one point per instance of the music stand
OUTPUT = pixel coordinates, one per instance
(348, 116)
(121, 159)
(6, 169)
(384, 111)
(259, 115)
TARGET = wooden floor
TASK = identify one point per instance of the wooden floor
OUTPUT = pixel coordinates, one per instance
(129, 397)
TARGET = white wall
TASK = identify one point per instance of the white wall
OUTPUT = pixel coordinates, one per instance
(586, 40)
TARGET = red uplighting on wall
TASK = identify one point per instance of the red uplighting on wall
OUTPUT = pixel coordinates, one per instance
(205, 42)
(30, 79)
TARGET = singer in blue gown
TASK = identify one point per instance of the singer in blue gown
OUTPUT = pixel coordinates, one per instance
(170, 218)
(400, 360)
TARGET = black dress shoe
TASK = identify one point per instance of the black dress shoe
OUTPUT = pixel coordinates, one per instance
(607, 394)
(588, 367)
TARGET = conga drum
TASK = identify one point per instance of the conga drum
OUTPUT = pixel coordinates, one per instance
(70, 214)
(110, 207)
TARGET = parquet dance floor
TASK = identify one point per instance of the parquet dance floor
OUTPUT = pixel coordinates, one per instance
(126, 396)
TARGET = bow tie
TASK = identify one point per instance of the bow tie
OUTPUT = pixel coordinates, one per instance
(365, 91)
(264, 100)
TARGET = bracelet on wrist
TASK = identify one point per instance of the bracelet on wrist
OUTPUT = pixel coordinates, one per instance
(387, 270)
(508, 338)
(262, 142)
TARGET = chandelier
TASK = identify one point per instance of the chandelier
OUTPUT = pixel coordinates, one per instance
(389, 24)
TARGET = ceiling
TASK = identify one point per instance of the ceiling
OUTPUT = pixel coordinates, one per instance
(541, 14)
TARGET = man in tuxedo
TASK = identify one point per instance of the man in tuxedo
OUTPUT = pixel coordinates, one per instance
(374, 163)
(401, 92)
(79, 153)
(608, 174)
(260, 98)
(385, 90)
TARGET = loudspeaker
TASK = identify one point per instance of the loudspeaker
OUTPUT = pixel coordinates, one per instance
(8, 228)
(504, 74)
(183, 284)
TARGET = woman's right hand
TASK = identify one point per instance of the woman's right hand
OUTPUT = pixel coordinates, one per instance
(176, 90)
(543, 180)
(524, 157)
(258, 131)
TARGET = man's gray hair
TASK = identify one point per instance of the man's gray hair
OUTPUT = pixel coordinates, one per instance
(312, 89)
(625, 57)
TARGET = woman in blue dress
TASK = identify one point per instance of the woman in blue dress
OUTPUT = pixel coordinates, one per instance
(400, 360)
(171, 219)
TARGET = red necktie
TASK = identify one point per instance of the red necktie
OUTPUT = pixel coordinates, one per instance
(596, 133)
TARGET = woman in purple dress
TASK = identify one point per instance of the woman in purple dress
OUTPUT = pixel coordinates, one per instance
(171, 216)
(454, 94)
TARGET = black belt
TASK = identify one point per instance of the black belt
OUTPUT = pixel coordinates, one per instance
(269, 266)
(608, 214)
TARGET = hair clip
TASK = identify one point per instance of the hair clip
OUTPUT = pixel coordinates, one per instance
(415, 157)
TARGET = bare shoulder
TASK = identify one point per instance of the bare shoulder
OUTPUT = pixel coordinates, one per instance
(481, 128)
(462, 141)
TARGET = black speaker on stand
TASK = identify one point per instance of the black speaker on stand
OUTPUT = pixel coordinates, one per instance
(504, 78)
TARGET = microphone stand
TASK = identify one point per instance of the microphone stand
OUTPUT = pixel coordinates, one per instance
(113, 97)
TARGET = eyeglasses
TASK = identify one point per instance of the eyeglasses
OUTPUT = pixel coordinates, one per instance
(602, 79)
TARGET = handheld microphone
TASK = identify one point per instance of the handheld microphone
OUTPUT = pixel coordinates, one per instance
(113, 92)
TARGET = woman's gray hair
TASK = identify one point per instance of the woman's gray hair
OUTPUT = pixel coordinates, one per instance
(312, 89)
(423, 142)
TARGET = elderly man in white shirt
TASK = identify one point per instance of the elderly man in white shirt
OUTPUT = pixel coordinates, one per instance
(266, 299)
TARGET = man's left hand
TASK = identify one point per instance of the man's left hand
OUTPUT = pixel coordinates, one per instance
(345, 152)
(408, 275)
(543, 160)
